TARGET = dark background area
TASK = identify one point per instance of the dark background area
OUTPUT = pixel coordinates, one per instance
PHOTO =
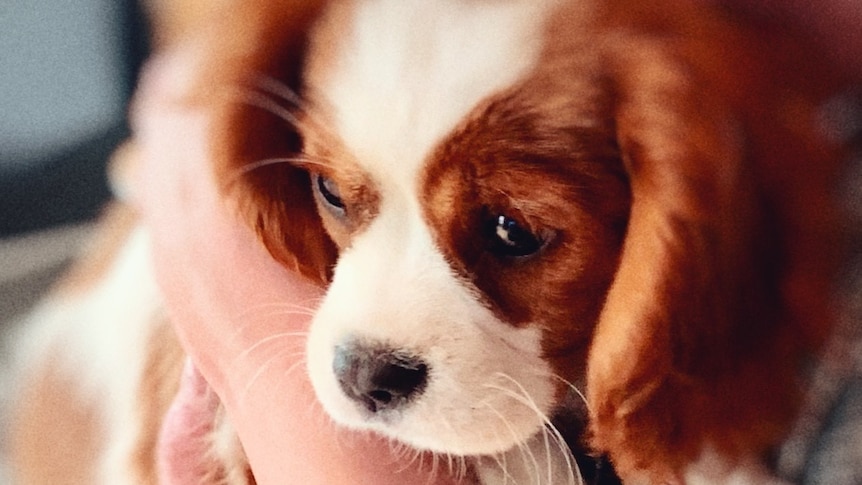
(64, 182)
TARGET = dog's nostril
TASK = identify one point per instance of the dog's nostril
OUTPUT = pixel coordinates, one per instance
(379, 379)
(397, 376)
(380, 396)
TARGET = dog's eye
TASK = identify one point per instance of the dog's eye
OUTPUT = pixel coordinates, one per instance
(510, 238)
(327, 189)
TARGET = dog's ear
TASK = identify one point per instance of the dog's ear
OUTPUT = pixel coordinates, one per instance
(698, 345)
(251, 63)
(244, 62)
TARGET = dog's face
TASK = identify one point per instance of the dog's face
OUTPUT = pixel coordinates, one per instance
(491, 189)
(476, 221)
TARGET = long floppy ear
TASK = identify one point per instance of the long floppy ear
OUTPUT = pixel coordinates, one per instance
(699, 344)
(249, 79)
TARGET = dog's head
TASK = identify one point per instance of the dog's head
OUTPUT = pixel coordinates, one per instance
(477, 209)
(488, 189)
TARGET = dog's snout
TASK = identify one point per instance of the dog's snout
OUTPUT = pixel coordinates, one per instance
(378, 379)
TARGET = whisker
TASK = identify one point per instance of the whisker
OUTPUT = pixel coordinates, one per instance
(305, 306)
(526, 453)
(526, 399)
(273, 86)
(573, 388)
(294, 329)
(251, 315)
(457, 463)
(412, 453)
(250, 167)
(462, 470)
(435, 465)
(266, 103)
(263, 367)
(435, 456)
(301, 160)
(274, 337)
(284, 308)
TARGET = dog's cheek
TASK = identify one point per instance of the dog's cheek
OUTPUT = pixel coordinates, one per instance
(489, 391)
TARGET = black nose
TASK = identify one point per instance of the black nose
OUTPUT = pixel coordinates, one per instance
(378, 378)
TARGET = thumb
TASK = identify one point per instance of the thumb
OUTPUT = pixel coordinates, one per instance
(183, 452)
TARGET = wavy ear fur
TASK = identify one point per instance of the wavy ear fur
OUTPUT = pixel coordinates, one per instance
(724, 277)
(246, 48)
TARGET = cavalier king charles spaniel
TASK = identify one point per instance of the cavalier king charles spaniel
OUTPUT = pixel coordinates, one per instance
(556, 236)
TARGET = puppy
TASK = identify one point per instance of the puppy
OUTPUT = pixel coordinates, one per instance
(537, 213)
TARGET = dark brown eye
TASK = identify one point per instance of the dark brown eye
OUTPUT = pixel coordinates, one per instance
(328, 191)
(510, 238)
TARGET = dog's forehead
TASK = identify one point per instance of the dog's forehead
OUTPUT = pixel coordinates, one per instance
(397, 76)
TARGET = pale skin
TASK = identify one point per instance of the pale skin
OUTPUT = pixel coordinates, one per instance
(240, 315)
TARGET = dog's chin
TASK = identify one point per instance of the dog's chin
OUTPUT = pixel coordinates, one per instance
(423, 428)
(442, 419)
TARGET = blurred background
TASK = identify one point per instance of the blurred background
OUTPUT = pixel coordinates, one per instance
(67, 70)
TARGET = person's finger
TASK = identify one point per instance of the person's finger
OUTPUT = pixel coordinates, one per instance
(183, 454)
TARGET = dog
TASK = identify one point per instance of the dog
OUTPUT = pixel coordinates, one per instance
(543, 226)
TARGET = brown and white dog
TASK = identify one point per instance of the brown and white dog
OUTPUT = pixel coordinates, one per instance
(512, 200)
